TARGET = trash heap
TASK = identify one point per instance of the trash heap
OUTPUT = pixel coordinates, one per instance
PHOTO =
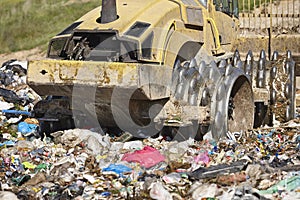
(16, 99)
(81, 164)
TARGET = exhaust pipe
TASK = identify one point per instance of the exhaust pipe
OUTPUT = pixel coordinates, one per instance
(108, 11)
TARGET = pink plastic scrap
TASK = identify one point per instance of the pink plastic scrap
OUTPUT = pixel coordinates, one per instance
(147, 157)
(202, 157)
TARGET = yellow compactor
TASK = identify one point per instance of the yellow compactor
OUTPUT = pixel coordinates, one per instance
(159, 67)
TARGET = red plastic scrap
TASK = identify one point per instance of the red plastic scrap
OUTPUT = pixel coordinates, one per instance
(230, 179)
(147, 157)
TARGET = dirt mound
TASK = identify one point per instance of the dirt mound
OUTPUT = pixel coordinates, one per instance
(33, 54)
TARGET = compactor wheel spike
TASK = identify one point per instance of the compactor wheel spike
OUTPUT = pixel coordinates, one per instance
(289, 111)
(237, 54)
(236, 58)
(273, 73)
(228, 70)
(222, 63)
(240, 65)
(275, 56)
(213, 64)
(289, 68)
(249, 55)
(193, 63)
(262, 54)
(273, 97)
(202, 67)
(177, 65)
(205, 97)
(282, 88)
(186, 64)
(289, 54)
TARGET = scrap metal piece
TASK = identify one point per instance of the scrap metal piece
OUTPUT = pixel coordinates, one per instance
(214, 171)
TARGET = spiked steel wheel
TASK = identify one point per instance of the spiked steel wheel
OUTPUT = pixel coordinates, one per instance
(239, 95)
(225, 90)
(282, 87)
(277, 78)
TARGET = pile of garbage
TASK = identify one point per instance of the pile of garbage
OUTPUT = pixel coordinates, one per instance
(82, 164)
(16, 98)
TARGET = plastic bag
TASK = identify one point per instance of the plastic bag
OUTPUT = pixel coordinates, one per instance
(202, 157)
(26, 128)
(159, 192)
(147, 157)
(288, 184)
(118, 169)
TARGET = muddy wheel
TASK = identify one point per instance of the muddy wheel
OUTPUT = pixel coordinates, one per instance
(282, 88)
(226, 92)
(232, 107)
(240, 106)
(274, 85)
(183, 73)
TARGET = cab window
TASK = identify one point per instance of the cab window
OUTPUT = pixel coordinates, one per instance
(203, 2)
(229, 7)
(236, 8)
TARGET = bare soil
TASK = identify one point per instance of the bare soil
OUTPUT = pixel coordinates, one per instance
(33, 54)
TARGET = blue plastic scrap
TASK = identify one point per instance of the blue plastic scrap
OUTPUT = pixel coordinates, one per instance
(105, 194)
(7, 143)
(26, 128)
(118, 169)
(16, 112)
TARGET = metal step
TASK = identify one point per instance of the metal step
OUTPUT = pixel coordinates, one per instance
(297, 66)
